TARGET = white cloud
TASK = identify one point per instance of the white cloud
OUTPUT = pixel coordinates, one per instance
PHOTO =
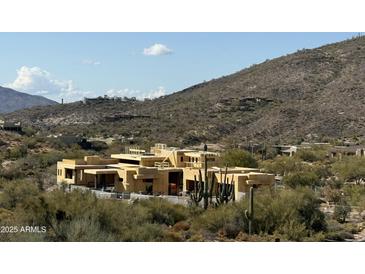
(91, 62)
(160, 91)
(157, 50)
(36, 81)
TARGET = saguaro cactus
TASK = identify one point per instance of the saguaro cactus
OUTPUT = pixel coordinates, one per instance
(197, 194)
(225, 191)
(250, 212)
(202, 190)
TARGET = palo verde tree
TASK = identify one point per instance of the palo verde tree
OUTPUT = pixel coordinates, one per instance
(238, 157)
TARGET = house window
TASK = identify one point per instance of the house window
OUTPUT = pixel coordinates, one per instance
(68, 173)
(181, 159)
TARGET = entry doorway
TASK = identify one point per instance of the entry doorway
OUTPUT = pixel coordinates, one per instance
(149, 186)
(175, 183)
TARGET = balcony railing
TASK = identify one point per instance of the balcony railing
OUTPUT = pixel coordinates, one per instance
(162, 164)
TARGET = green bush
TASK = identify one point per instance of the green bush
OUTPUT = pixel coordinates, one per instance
(16, 193)
(283, 165)
(355, 194)
(17, 152)
(313, 154)
(301, 179)
(350, 168)
(291, 215)
(300, 206)
(307, 155)
(237, 157)
(228, 219)
(163, 212)
(341, 212)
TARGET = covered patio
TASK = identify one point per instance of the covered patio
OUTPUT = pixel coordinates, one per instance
(102, 178)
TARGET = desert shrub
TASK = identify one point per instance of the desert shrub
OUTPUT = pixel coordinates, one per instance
(316, 153)
(42, 160)
(237, 157)
(121, 219)
(350, 168)
(283, 165)
(33, 142)
(227, 219)
(341, 211)
(28, 131)
(354, 194)
(16, 193)
(300, 179)
(25, 202)
(80, 229)
(64, 205)
(16, 152)
(11, 172)
(145, 233)
(291, 215)
(75, 153)
(163, 212)
(322, 170)
(331, 194)
(337, 232)
(339, 236)
(292, 231)
(307, 155)
(57, 144)
(276, 212)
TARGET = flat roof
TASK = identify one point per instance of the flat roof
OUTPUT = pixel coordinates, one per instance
(101, 171)
(136, 157)
(200, 153)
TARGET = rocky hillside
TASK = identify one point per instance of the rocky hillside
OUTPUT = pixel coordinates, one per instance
(11, 100)
(310, 94)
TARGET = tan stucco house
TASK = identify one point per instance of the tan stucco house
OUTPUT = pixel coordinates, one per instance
(162, 170)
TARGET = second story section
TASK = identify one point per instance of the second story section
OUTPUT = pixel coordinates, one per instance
(135, 156)
(162, 156)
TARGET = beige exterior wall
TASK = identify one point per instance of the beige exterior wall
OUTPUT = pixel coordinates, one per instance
(243, 181)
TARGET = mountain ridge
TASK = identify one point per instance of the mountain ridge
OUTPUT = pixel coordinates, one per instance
(12, 100)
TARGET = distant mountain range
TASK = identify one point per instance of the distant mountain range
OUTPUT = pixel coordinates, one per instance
(311, 94)
(12, 100)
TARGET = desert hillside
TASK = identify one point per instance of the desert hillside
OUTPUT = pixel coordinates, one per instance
(311, 94)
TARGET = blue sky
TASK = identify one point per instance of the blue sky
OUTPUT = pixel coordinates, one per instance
(74, 65)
